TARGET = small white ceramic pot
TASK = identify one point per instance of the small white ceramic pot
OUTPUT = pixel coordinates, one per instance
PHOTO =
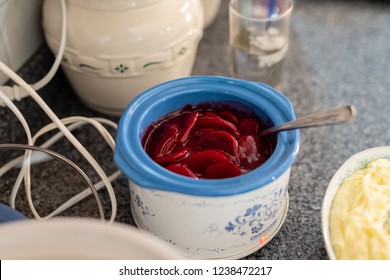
(207, 219)
(116, 49)
(353, 164)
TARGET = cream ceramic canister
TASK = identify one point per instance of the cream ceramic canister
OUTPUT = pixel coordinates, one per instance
(211, 9)
(115, 49)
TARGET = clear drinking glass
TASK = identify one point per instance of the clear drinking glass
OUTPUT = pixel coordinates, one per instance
(259, 39)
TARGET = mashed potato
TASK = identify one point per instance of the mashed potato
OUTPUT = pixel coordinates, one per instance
(360, 214)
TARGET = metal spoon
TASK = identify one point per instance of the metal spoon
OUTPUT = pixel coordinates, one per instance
(340, 114)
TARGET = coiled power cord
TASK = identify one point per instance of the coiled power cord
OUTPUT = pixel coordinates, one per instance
(65, 126)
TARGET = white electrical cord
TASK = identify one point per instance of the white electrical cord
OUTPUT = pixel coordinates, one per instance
(75, 122)
(53, 155)
(27, 156)
(28, 90)
(17, 92)
(67, 133)
(16, 162)
(12, 75)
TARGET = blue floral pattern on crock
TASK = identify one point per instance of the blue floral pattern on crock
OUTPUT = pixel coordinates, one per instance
(144, 209)
(254, 218)
(214, 228)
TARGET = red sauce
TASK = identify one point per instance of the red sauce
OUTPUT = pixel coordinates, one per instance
(211, 141)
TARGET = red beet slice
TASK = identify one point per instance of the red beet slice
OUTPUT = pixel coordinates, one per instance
(187, 122)
(172, 157)
(249, 127)
(217, 123)
(222, 170)
(209, 114)
(229, 116)
(179, 169)
(231, 158)
(199, 161)
(214, 137)
(220, 140)
(202, 131)
(168, 135)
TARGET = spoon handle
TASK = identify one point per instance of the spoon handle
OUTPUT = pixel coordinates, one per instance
(340, 114)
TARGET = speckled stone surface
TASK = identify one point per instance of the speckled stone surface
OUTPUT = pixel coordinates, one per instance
(339, 53)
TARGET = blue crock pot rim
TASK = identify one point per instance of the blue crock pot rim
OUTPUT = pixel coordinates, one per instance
(139, 168)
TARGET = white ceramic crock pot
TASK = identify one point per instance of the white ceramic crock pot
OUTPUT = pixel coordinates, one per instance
(207, 219)
(118, 48)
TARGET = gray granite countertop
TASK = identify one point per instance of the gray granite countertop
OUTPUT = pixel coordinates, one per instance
(339, 54)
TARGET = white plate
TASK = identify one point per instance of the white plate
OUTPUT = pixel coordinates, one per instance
(79, 238)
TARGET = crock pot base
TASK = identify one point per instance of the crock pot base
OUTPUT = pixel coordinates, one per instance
(244, 253)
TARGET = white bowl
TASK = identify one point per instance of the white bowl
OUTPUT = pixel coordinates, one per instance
(79, 238)
(353, 164)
